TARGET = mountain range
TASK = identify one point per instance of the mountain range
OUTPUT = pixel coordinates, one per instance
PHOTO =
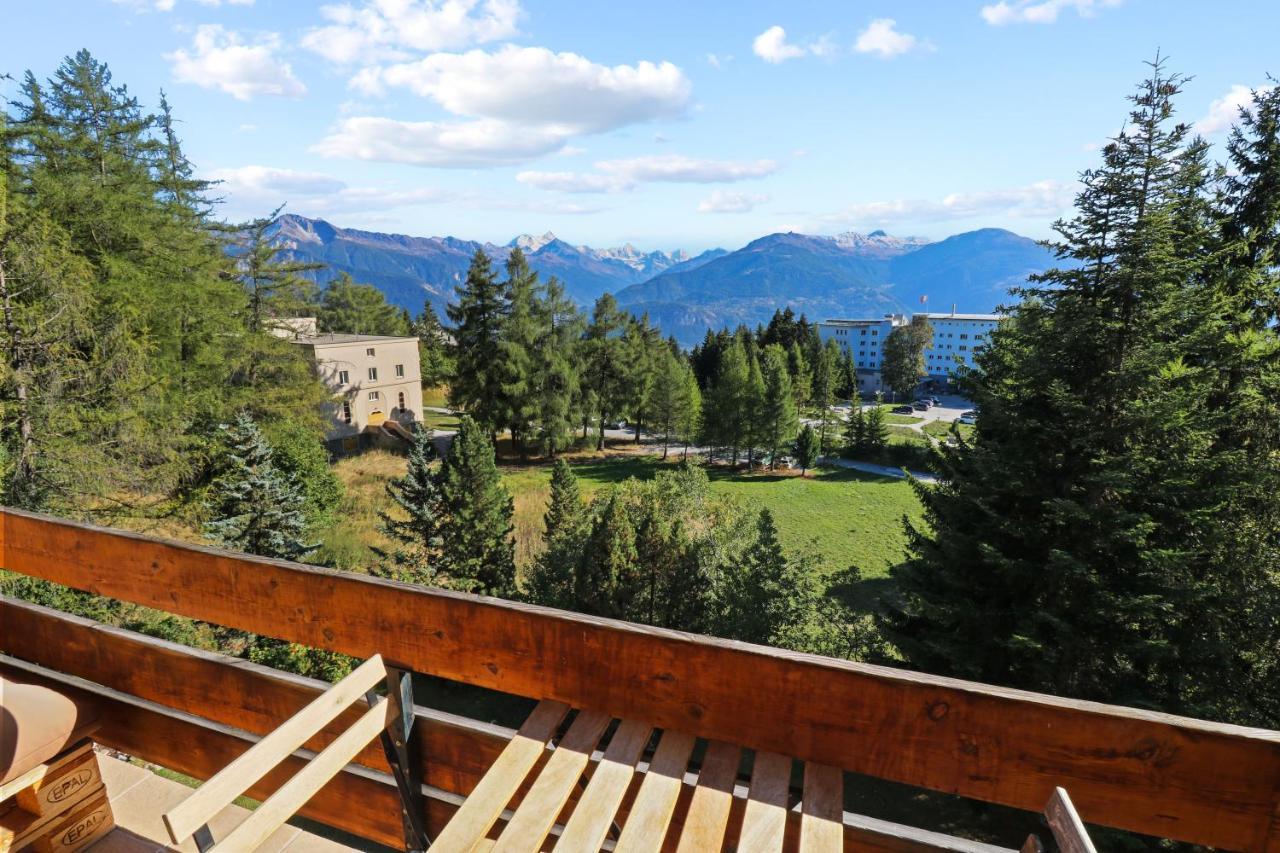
(846, 275)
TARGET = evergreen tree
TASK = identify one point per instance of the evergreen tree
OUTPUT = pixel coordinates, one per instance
(806, 448)
(754, 407)
(552, 577)
(847, 388)
(556, 367)
(727, 418)
(768, 598)
(826, 375)
(515, 368)
(689, 421)
(476, 550)
(875, 435)
(608, 561)
(778, 415)
(669, 396)
(358, 309)
(435, 362)
(274, 284)
(604, 357)
(801, 376)
(256, 508)
(1102, 535)
(478, 319)
(416, 524)
(855, 431)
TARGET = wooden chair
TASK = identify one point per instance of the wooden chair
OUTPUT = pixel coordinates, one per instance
(1065, 824)
(595, 814)
(388, 717)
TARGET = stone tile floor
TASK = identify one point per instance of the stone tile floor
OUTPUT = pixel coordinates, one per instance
(138, 798)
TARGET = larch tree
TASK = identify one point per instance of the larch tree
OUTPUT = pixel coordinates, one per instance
(358, 309)
(556, 367)
(606, 370)
(780, 420)
(515, 365)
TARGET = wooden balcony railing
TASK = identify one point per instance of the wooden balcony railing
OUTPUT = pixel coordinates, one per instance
(193, 711)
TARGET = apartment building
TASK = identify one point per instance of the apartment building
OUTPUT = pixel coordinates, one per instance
(376, 383)
(956, 339)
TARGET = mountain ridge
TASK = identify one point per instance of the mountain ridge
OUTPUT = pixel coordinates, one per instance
(823, 276)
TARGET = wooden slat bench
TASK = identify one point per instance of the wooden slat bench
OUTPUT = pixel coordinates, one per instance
(596, 816)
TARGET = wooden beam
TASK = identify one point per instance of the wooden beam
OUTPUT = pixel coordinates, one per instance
(1068, 829)
(233, 695)
(455, 751)
(1152, 773)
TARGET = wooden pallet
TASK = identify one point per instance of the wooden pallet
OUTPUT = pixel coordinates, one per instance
(50, 801)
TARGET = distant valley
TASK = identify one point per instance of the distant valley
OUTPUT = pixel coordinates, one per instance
(846, 275)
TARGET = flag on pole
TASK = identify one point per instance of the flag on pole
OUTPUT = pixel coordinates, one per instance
(924, 298)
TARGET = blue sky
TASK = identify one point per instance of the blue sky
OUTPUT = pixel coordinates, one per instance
(669, 125)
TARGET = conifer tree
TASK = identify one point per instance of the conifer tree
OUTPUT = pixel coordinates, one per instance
(689, 421)
(1088, 541)
(358, 309)
(727, 419)
(416, 524)
(552, 577)
(274, 284)
(478, 317)
(515, 367)
(806, 448)
(768, 596)
(255, 507)
(556, 367)
(604, 357)
(608, 561)
(826, 375)
(435, 362)
(778, 415)
(754, 405)
(801, 376)
(875, 433)
(855, 432)
(476, 550)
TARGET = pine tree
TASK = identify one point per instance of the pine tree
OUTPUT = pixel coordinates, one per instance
(255, 507)
(435, 363)
(875, 433)
(358, 309)
(476, 550)
(478, 318)
(847, 389)
(806, 448)
(826, 376)
(605, 368)
(608, 561)
(779, 417)
(552, 578)
(1088, 541)
(855, 432)
(416, 524)
(515, 368)
(768, 597)
(556, 367)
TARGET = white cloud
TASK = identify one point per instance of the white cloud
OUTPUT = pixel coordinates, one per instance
(382, 30)
(676, 168)
(1041, 199)
(882, 38)
(772, 46)
(167, 5)
(574, 182)
(461, 144)
(1224, 111)
(613, 176)
(718, 61)
(1039, 11)
(721, 201)
(220, 59)
(533, 85)
(251, 190)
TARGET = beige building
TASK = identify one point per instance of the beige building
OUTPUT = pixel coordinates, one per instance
(376, 382)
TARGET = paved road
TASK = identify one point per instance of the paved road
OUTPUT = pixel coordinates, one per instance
(872, 468)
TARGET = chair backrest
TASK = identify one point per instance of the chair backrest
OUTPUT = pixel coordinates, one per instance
(192, 815)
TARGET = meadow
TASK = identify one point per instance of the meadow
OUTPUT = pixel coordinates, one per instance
(839, 517)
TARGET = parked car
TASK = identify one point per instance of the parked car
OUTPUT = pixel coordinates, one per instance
(967, 418)
(784, 462)
(903, 410)
(920, 406)
(933, 400)
(618, 424)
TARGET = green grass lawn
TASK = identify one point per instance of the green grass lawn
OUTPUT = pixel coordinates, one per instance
(437, 397)
(842, 517)
(440, 420)
(942, 429)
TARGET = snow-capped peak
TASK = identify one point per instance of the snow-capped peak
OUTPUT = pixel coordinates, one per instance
(529, 243)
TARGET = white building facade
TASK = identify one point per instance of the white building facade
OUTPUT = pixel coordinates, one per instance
(956, 339)
(376, 382)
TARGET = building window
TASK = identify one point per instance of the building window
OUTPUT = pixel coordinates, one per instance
(344, 378)
(402, 401)
(346, 412)
(373, 374)
(400, 372)
(977, 337)
(373, 395)
(875, 331)
(864, 331)
(369, 352)
(962, 346)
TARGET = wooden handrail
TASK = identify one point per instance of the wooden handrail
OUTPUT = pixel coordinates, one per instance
(1152, 773)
